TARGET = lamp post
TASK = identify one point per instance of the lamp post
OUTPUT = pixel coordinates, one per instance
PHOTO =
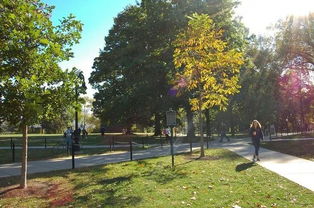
(76, 112)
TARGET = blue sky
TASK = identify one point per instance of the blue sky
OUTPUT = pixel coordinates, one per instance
(97, 17)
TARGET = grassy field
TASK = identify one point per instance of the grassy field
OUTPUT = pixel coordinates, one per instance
(221, 179)
(301, 148)
(296, 135)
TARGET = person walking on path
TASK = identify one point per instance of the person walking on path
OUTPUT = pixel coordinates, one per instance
(256, 135)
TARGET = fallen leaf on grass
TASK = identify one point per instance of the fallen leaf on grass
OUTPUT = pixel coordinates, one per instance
(273, 205)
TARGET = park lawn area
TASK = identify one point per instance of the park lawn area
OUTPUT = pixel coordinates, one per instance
(221, 179)
(299, 148)
(296, 136)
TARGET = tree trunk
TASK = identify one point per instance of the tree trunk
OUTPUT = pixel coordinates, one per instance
(157, 125)
(201, 127)
(23, 183)
(189, 116)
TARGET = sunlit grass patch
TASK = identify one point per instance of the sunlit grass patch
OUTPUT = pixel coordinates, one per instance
(222, 179)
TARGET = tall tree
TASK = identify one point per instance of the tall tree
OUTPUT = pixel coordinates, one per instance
(133, 66)
(295, 38)
(32, 85)
(209, 67)
(133, 72)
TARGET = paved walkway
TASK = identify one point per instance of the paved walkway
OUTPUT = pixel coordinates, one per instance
(299, 170)
(13, 169)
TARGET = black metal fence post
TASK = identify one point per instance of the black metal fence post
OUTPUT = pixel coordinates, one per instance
(112, 143)
(13, 152)
(73, 161)
(161, 143)
(171, 148)
(11, 143)
(131, 150)
(191, 145)
(143, 143)
(207, 142)
(45, 143)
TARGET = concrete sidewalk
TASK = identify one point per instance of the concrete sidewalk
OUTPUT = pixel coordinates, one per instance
(298, 170)
(13, 169)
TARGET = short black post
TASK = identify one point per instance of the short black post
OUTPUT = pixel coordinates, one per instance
(73, 162)
(143, 142)
(131, 150)
(112, 143)
(13, 152)
(45, 143)
(160, 140)
(207, 141)
(11, 143)
(191, 145)
(171, 148)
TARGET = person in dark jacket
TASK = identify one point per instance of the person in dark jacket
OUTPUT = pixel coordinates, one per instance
(256, 135)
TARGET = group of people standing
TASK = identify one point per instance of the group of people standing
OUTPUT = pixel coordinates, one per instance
(74, 136)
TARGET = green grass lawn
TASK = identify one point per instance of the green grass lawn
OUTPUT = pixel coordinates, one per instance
(299, 148)
(295, 136)
(222, 179)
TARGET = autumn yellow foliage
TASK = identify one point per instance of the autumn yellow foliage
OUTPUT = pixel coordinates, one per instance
(208, 65)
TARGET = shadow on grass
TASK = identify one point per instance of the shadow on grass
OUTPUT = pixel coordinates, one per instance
(9, 190)
(116, 180)
(245, 166)
(163, 174)
(109, 195)
(113, 186)
(123, 201)
(221, 155)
